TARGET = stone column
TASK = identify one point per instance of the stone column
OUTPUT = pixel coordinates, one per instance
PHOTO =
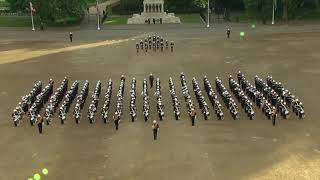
(144, 8)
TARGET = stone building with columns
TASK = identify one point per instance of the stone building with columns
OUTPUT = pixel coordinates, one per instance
(153, 9)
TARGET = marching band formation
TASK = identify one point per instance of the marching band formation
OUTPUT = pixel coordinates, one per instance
(155, 43)
(269, 95)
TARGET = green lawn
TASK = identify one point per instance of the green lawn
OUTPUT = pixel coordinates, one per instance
(189, 18)
(17, 21)
(25, 21)
(116, 20)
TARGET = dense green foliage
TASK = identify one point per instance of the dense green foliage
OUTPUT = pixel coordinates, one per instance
(53, 10)
(257, 9)
(50, 11)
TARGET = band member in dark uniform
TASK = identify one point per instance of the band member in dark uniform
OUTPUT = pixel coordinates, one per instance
(161, 46)
(137, 46)
(172, 44)
(193, 117)
(274, 116)
(228, 32)
(71, 36)
(151, 78)
(116, 119)
(155, 129)
(40, 123)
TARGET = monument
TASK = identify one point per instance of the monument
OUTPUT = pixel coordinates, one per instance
(153, 9)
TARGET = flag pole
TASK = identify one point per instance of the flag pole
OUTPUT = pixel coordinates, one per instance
(98, 16)
(208, 19)
(273, 12)
(31, 10)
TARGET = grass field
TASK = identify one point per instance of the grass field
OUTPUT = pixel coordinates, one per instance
(17, 21)
(25, 21)
(116, 20)
(189, 18)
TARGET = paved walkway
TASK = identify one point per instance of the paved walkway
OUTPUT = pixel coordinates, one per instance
(91, 20)
(102, 6)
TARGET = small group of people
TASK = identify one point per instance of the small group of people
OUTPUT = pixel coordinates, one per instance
(287, 97)
(154, 21)
(213, 98)
(155, 43)
(188, 99)
(92, 110)
(200, 98)
(242, 97)
(55, 100)
(25, 104)
(81, 100)
(175, 101)
(41, 100)
(119, 106)
(228, 100)
(260, 98)
(68, 99)
(107, 100)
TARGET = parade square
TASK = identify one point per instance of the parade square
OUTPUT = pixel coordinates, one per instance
(212, 149)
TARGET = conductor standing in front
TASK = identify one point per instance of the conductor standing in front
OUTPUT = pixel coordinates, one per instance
(155, 128)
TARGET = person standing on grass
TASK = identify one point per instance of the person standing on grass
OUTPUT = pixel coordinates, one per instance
(71, 36)
(155, 129)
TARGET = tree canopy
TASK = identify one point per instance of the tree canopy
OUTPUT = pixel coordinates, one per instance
(51, 10)
(259, 9)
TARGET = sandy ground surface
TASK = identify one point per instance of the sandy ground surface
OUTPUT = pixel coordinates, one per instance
(212, 149)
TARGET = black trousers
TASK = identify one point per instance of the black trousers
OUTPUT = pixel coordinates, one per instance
(155, 133)
(192, 120)
(40, 127)
(274, 120)
(70, 39)
(116, 123)
(151, 83)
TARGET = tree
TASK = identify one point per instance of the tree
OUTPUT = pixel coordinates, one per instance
(285, 10)
(259, 9)
(53, 9)
(317, 4)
